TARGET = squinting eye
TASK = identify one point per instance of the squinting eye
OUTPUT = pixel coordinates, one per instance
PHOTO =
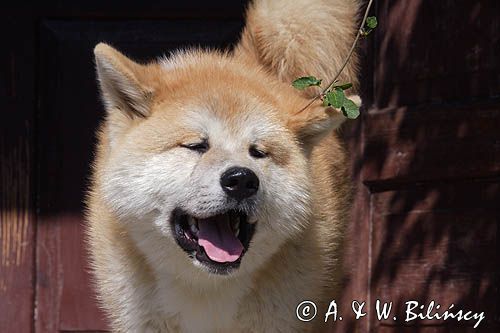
(201, 147)
(255, 152)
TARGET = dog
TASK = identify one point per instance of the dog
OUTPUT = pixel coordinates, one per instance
(218, 202)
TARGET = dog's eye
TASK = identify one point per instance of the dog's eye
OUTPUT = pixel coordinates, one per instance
(256, 152)
(201, 147)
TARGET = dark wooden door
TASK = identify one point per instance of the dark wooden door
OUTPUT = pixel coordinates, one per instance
(425, 153)
(426, 160)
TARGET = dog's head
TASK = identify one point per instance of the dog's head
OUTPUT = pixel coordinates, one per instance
(205, 158)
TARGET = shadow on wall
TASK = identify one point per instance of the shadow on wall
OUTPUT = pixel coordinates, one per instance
(426, 156)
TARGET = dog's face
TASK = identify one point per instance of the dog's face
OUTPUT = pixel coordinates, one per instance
(206, 163)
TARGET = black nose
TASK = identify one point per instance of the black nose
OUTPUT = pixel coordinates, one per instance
(239, 183)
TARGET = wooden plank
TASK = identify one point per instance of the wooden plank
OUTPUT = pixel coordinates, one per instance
(438, 242)
(435, 51)
(356, 283)
(17, 211)
(431, 143)
(77, 300)
(50, 208)
(17, 218)
(48, 275)
(64, 299)
(16, 238)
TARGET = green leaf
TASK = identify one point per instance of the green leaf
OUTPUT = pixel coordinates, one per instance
(306, 81)
(335, 98)
(350, 109)
(371, 22)
(344, 86)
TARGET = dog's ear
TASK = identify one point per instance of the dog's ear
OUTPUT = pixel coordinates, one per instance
(120, 82)
(316, 121)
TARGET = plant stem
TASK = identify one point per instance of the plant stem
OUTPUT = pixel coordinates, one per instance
(351, 51)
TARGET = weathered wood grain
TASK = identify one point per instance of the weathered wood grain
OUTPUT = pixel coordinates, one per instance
(432, 143)
(17, 164)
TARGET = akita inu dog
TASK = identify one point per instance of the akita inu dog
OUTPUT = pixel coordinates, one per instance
(215, 205)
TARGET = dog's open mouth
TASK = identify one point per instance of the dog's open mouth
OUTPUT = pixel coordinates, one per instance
(218, 242)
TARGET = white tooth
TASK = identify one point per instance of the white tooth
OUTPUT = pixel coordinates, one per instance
(252, 219)
(235, 225)
(193, 228)
(191, 221)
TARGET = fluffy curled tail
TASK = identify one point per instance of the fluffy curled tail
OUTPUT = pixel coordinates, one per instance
(302, 37)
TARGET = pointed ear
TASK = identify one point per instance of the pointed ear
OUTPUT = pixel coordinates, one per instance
(120, 82)
(313, 123)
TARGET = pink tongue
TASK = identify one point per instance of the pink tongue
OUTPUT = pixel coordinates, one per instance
(218, 240)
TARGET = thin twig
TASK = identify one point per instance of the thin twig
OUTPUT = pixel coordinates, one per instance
(351, 51)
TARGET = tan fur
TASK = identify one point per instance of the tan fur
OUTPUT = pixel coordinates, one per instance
(302, 37)
(144, 281)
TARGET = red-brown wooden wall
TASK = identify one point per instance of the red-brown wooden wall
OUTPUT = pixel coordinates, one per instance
(425, 153)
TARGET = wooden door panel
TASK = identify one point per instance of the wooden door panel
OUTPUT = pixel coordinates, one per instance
(435, 52)
(432, 143)
(427, 157)
(437, 242)
(70, 111)
(17, 169)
